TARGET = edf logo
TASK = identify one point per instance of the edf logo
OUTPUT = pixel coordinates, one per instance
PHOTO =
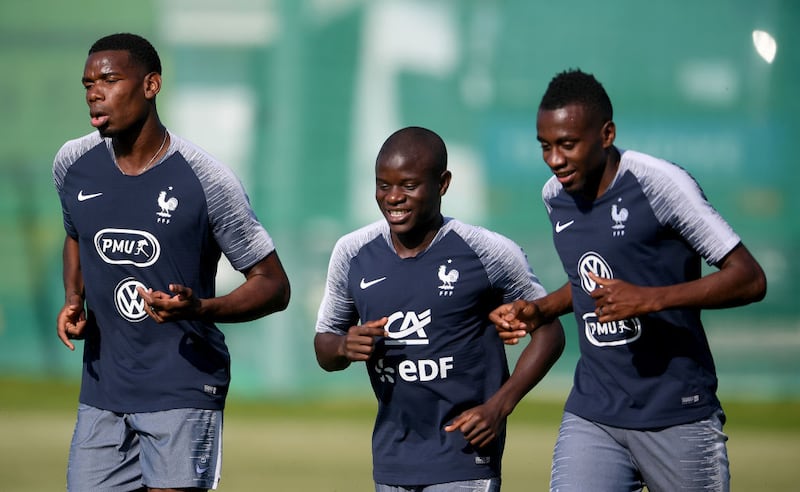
(425, 369)
(422, 370)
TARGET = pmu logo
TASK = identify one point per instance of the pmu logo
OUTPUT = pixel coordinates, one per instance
(411, 330)
(127, 247)
(612, 333)
(127, 300)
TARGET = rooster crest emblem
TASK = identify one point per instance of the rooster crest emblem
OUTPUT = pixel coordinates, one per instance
(619, 215)
(167, 206)
(448, 279)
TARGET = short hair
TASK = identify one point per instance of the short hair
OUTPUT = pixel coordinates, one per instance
(416, 141)
(140, 49)
(577, 87)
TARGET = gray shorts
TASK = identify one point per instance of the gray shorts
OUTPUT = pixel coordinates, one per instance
(480, 485)
(112, 452)
(593, 457)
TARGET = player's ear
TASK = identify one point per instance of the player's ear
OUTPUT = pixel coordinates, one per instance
(608, 133)
(152, 85)
(444, 182)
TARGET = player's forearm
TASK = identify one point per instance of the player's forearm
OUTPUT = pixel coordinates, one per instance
(72, 275)
(543, 350)
(265, 291)
(556, 304)
(739, 281)
(252, 300)
(329, 348)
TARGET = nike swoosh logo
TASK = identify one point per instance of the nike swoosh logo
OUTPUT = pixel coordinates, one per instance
(83, 198)
(560, 227)
(364, 284)
(200, 470)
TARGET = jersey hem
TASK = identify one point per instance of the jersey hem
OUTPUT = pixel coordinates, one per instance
(684, 418)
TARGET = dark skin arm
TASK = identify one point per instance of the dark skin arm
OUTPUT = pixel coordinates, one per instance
(482, 424)
(336, 352)
(265, 290)
(514, 320)
(739, 280)
(71, 320)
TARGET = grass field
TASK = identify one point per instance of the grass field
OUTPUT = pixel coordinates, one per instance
(324, 446)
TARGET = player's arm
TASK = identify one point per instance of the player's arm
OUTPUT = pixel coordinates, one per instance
(71, 319)
(336, 351)
(265, 290)
(739, 281)
(514, 320)
(482, 424)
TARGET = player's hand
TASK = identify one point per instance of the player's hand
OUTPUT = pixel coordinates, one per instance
(360, 340)
(71, 321)
(181, 303)
(480, 425)
(515, 320)
(616, 299)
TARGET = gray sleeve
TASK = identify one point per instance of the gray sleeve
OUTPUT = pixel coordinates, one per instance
(237, 230)
(678, 202)
(550, 189)
(337, 311)
(505, 262)
(65, 157)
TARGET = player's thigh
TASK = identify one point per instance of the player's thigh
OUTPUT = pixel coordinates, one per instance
(478, 485)
(684, 457)
(180, 448)
(587, 459)
(104, 453)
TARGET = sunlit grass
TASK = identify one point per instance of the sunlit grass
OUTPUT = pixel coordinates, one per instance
(324, 445)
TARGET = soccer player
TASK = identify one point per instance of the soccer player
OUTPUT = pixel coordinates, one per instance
(410, 296)
(147, 215)
(631, 231)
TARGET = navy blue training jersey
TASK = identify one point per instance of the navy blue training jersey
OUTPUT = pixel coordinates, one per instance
(167, 225)
(652, 227)
(442, 355)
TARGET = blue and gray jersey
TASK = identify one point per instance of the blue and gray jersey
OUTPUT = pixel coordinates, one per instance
(652, 227)
(442, 355)
(167, 225)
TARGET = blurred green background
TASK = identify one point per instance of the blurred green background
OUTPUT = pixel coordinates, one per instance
(297, 97)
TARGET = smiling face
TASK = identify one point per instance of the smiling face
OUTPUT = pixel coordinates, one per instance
(409, 185)
(576, 145)
(119, 93)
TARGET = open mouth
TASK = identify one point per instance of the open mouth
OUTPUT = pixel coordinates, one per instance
(98, 119)
(397, 215)
(564, 177)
